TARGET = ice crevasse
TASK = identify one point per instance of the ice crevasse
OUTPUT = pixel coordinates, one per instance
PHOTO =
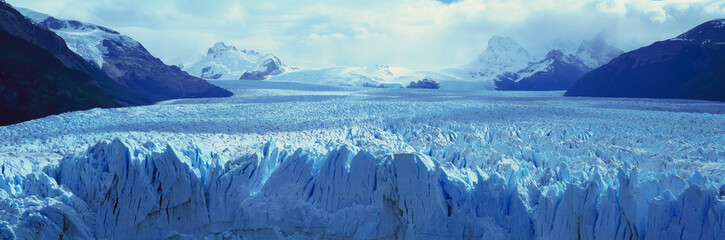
(122, 189)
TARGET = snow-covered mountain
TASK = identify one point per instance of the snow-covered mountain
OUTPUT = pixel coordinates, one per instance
(506, 65)
(224, 62)
(40, 76)
(84, 39)
(14, 23)
(502, 55)
(268, 67)
(126, 61)
(596, 52)
(557, 71)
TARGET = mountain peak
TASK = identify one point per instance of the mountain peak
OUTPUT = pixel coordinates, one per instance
(382, 66)
(227, 62)
(597, 42)
(596, 52)
(220, 47)
(503, 54)
(501, 42)
(82, 38)
(708, 32)
(555, 54)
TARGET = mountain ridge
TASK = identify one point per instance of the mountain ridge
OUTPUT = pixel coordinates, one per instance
(557, 71)
(510, 67)
(13, 22)
(682, 67)
(36, 84)
(126, 61)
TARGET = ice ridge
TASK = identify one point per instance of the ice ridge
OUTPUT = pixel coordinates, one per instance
(123, 189)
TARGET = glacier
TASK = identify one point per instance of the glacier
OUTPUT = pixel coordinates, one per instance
(376, 76)
(290, 162)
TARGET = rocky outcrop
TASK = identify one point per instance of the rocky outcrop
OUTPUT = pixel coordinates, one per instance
(425, 83)
(269, 67)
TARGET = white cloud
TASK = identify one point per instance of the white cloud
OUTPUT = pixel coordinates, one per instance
(613, 6)
(412, 33)
(657, 14)
(235, 14)
(716, 8)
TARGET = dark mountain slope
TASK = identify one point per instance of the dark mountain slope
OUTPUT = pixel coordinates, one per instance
(34, 84)
(689, 67)
(17, 25)
(127, 61)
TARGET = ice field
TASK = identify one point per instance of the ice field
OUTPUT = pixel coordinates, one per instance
(291, 160)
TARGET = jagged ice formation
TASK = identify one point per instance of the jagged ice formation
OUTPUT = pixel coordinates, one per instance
(489, 168)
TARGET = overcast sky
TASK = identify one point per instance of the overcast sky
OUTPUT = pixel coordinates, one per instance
(409, 33)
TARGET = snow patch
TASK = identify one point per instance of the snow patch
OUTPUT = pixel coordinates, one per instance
(82, 38)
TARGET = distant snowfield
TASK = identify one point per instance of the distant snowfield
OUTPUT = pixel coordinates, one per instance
(292, 160)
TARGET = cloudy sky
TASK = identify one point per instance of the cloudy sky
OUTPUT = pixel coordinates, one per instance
(408, 33)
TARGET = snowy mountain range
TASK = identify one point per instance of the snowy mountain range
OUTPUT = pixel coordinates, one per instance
(126, 61)
(690, 66)
(557, 71)
(224, 62)
(504, 65)
(510, 66)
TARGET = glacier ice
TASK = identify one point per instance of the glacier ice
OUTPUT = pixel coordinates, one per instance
(121, 189)
(382, 76)
(361, 167)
